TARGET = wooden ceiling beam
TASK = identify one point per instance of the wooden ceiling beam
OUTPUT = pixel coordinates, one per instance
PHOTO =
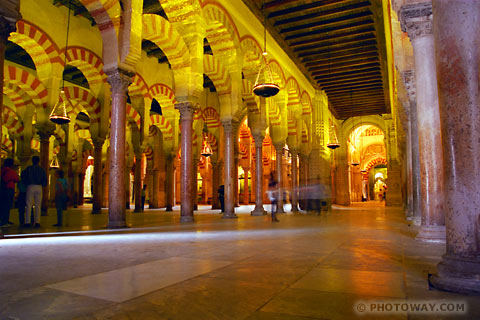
(337, 42)
(338, 54)
(353, 85)
(336, 28)
(347, 68)
(339, 47)
(349, 8)
(355, 95)
(330, 75)
(347, 90)
(302, 8)
(340, 65)
(337, 20)
(337, 36)
(325, 62)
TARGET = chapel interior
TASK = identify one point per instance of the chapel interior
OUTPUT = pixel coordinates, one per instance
(364, 111)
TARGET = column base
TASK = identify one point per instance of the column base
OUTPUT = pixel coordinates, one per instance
(187, 219)
(457, 274)
(169, 208)
(137, 210)
(229, 216)
(117, 225)
(258, 211)
(417, 221)
(96, 211)
(432, 234)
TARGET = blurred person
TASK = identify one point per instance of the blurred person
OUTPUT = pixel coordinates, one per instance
(21, 202)
(7, 193)
(61, 189)
(272, 194)
(221, 197)
(144, 195)
(34, 178)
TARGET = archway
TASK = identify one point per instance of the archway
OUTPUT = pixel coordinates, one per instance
(366, 158)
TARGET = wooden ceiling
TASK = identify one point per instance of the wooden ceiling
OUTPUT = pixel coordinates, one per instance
(338, 44)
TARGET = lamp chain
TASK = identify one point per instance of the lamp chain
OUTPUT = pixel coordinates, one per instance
(66, 43)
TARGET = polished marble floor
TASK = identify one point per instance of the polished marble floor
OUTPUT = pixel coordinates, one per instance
(304, 267)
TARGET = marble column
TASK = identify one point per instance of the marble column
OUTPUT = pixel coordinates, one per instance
(45, 164)
(229, 169)
(279, 168)
(259, 210)
(81, 189)
(236, 192)
(409, 82)
(246, 195)
(169, 185)
(416, 19)
(195, 183)
(119, 81)
(294, 191)
(7, 26)
(97, 176)
(187, 110)
(216, 167)
(138, 186)
(302, 181)
(457, 47)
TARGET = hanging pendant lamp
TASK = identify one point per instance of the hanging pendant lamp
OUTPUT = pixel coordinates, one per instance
(206, 149)
(265, 85)
(54, 164)
(59, 114)
(333, 144)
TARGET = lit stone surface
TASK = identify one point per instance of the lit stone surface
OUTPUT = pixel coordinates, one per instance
(305, 267)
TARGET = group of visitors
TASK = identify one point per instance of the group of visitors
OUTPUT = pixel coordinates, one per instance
(30, 192)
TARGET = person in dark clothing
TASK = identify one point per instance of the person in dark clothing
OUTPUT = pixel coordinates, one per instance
(34, 178)
(21, 202)
(8, 179)
(221, 197)
(144, 194)
(61, 188)
(272, 193)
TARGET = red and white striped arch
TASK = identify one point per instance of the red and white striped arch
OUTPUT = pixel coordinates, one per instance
(293, 91)
(11, 121)
(248, 97)
(306, 103)
(292, 123)
(40, 47)
(83, 97)
(139, 87)
(164, 125)
(164, 95)
(222, 33)
(212, 141)
(35, 145)
(30, 84)
(215, 70)
(211, 118)
(252, 55)
(133, 116)
(159, 31)
(89, 64)
(374, 162)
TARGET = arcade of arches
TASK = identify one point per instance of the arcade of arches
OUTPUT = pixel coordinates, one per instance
(152, 88)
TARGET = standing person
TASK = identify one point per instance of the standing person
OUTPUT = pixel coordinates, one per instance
(144, 194)
(8, 179)
(35, 178)
(272, 193)
(221, 197)
(21, 202)
(61, 188)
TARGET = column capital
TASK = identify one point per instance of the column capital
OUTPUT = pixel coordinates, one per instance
(416, 20)
(45, 130)
(408, 77)
(279, 146)
(187, 110)
(98, 142)
(119, 80)
(229, 125)
(258, 140)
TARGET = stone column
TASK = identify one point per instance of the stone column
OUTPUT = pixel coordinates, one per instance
(235, 178)
(169, 182)
(216, 167)
(259, 210)
(246, 195)
(228, 132)
(187, 110)
(294, 191)
(279, 164)
(416, 19)
(119, 81)
(303, 181)
(97, 176)
(458, 60)
(409, 82)
(8, 19)
(195, 183)
(81, 189)
(138, 186)
(45, 164)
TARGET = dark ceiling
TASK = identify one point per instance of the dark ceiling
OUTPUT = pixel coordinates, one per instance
(338, 44)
